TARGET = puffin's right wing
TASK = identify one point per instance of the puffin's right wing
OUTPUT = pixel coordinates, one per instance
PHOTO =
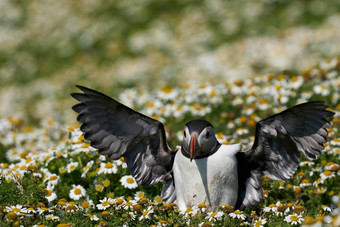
(279, 140)
(118, 131)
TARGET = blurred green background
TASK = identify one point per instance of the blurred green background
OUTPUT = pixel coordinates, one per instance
(46, 47)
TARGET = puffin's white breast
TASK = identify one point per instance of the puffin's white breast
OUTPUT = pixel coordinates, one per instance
(211, 180)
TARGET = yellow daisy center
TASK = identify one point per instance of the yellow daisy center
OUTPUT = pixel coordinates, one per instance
(219, 135)
(77, 191)
(11, 216)
(166, 89)
(327, 173)
(188, 210)
(62, 170)
(108, 165)
(294, 78)
(119, 201)
(136, 207)
(85, 204)
(130, 180)
(49, 192)
(105, 203)
(145, 212)
(106, 183)
(335, 168)
(53, 177)
(213, 214)
(99, 188)
(258, 223)
(140, 194)
(238, 212)
(158, 199)
(294, 218)
(16, 209)
(62, 202)
(86, 145)
(202, 205)
(128, 204)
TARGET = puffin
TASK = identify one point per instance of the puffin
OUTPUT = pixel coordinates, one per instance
(203, 170)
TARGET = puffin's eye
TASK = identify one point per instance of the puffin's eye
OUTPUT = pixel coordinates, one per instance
(185, 134)
(207, 134)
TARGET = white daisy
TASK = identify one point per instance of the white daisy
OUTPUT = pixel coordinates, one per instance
(71, 207)
(108, 168)
(220, 137)
(212, 216)
(31, 210)
(18, 209)
(77, 192)
(121, 162)
(326, 208)
(131, 216)
(52, 179)
(51, 217)
(51, 195)
(305, 183)
(146, 213)
(281, 210)
(104, 204)
(119, 202)
(86, 204)
(42, 210)
(158, 200)
(327, 174)
(139, 195)
(260, 222)
(71, 166)
(129, 204)
(294, 219)
(307, 163)
(128, 182)
(188, 213)
(270, 208)
(92, 217)
(87, 168)
(321, 89)
(205, 223)
(237, 214)
(332, 166)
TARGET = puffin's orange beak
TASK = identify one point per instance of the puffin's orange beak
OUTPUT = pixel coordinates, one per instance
(192, 148)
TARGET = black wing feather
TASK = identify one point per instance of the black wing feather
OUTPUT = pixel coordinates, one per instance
(279, 140)
(118, 131)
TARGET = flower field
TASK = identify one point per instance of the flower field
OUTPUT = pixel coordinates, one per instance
(51, 176)
(48, 46)
(231, 62)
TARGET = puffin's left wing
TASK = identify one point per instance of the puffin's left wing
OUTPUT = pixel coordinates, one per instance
(279, 140)
(116, 130)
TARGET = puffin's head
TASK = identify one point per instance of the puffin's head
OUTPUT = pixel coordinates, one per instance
(199, 139)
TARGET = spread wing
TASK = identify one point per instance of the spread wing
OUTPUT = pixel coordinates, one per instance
(279, 140)
(118, 131)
